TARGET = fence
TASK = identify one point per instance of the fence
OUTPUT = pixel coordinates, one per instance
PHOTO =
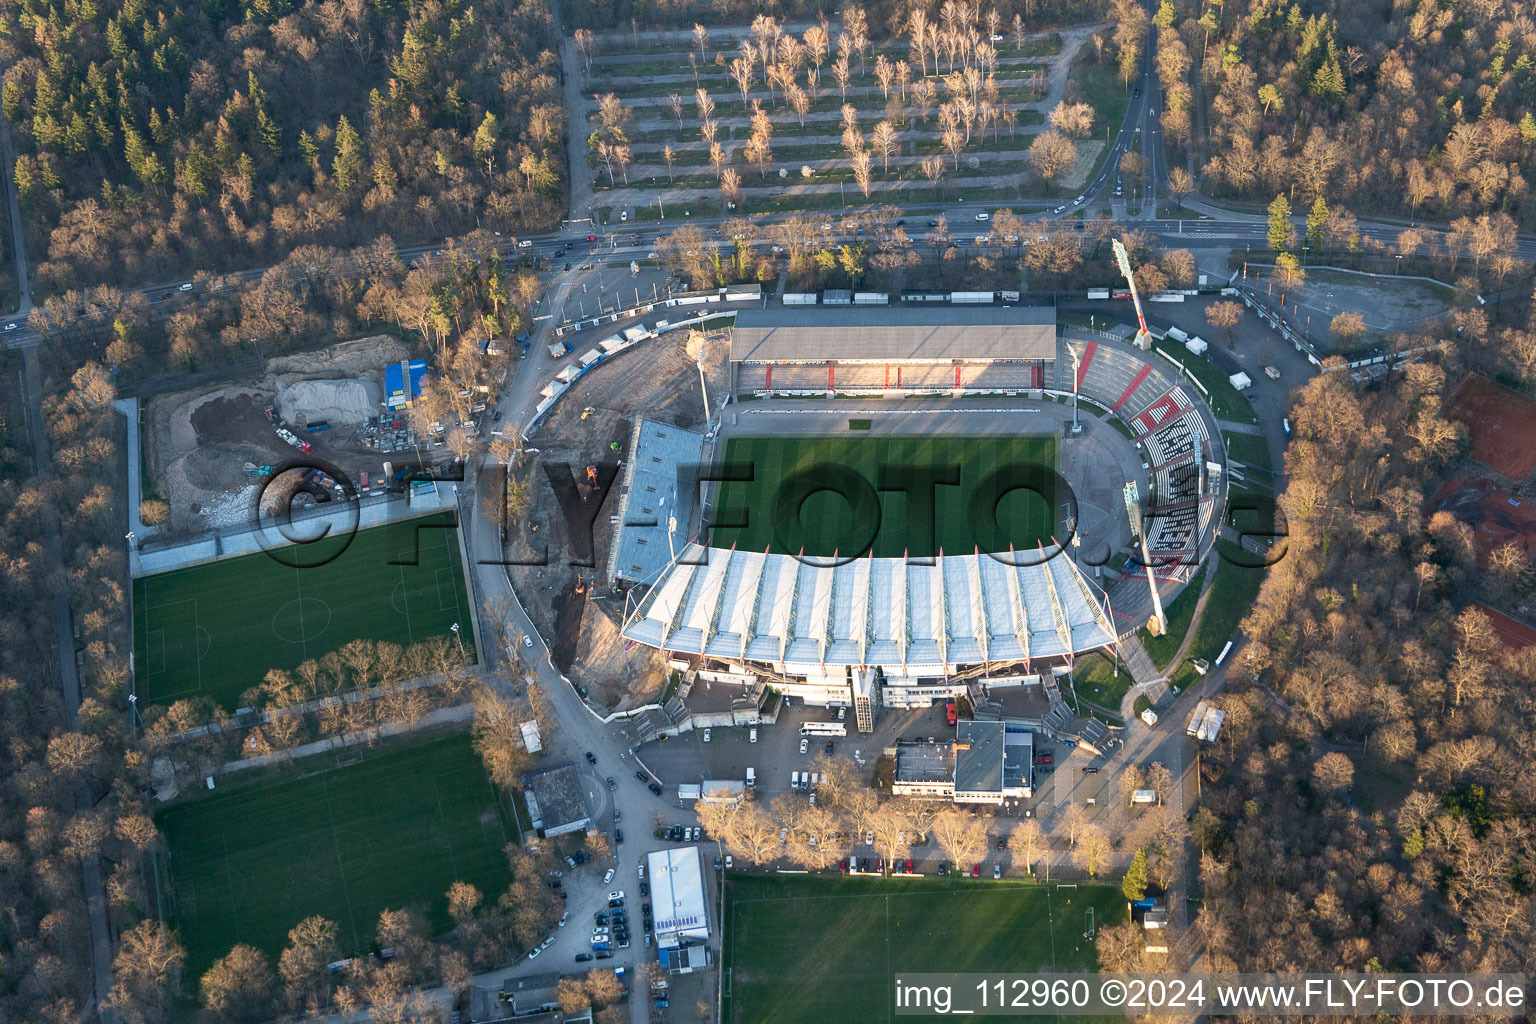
(160, 553)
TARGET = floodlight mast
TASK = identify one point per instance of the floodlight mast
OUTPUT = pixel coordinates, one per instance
(1158, 624)
(1143, 336)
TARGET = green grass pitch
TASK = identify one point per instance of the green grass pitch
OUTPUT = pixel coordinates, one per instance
(247, 863)
(214, 630)
(817, 948)
(1005, 495)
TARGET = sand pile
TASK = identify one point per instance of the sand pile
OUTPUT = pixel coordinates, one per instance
(339, 402)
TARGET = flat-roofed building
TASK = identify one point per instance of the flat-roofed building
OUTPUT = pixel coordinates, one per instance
(992, 762)
(677, 898)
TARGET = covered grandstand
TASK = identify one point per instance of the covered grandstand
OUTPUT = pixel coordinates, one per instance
(893, 350)
(825, 631)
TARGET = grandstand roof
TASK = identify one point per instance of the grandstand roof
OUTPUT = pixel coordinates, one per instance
(913, 619)
(651, 495)
(894, 334)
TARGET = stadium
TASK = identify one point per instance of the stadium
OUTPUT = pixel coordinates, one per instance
(902, 505)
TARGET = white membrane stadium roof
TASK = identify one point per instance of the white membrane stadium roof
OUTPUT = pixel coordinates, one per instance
(912, 619)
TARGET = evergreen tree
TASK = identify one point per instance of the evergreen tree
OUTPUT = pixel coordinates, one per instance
(1279, 222)
(349, 148)
(1315, 221)
(1134, 884)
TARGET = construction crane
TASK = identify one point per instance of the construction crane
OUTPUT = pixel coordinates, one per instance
(1143, 336)
(1157, 625)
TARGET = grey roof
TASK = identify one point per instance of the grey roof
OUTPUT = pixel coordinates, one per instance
(651, 494)
(894, 334)
(560, 797)
(924, 762)
(979, 757)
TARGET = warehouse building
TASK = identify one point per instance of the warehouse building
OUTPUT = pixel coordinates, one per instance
(680, 908)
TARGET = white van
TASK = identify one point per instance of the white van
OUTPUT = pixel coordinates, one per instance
(794, 780)
(751, 777)
(752, 735)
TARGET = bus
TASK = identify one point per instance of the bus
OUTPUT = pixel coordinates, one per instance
(823, 729)
(949, 712)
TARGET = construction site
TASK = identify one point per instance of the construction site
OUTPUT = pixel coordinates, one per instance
(590, 428)
(208, 452)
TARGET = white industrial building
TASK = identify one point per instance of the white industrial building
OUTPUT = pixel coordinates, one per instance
(677, 901)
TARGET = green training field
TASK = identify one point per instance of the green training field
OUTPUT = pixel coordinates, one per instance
(817, 948)
(214, 630)
(850, 495)
(397, 828)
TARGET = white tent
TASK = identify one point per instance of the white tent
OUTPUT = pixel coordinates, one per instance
(1197, 346)
(1241, 381)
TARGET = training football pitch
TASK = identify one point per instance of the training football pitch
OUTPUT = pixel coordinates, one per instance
(891, 496)
(394, 829)
(817, 948)
(214, 630)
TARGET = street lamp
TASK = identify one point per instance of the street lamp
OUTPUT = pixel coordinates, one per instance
(463, 655)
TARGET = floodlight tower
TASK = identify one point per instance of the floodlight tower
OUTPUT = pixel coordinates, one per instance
(1157, 625)
(1143, 336)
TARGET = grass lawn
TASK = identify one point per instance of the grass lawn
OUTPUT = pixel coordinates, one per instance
(1161, 649)
(1094, 679)
(789, 504)
(396, 828)
(1233, 592)
(214, 630)
(1252, 510)
(1225, 400)
(1249, 449)
(819, 948)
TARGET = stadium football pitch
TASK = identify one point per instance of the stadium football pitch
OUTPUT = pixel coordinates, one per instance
(214, 630)
(394, 829)
(890, 495)
(816, 948)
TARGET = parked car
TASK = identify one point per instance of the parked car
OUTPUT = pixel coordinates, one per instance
(1046, 759)
(564, 918)
(805, 744)
(983, 216)
(591, 757)
(642, 776)
(582, 958)
(997, 871)
(1090, 770)
(608, 876)
(645, 889)
(617, 894)
(730, 862)
(706, 735)
(611, 783)
(975, 870)
(909, 868)
(654, 788)
(829, 746)
(604, 955)
(533, 954)
(618, 837)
